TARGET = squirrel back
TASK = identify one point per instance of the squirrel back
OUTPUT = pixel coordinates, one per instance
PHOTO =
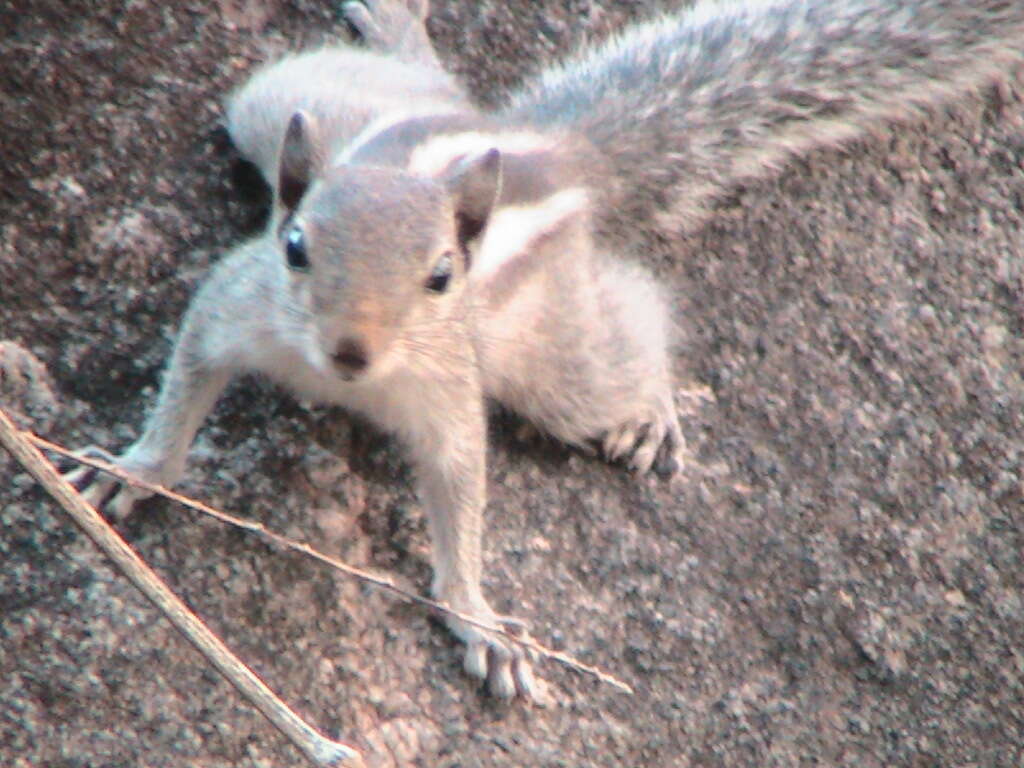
(345, 89)
(680, 109)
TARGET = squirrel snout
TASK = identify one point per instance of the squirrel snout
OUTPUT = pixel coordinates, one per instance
(351, 358)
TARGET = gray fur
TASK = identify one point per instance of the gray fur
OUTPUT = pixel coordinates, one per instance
(685, 107)
(385, 183)
(344, 89)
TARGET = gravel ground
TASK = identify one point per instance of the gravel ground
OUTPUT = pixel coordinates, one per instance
(835, 580)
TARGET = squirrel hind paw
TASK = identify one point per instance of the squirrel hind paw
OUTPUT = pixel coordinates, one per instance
(382, 25)
(359, 20)
(653, 443)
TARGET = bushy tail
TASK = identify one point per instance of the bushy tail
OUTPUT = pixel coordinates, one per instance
(685, 107)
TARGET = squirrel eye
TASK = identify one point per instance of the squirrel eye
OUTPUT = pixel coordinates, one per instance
(441, 274)
(295, 250)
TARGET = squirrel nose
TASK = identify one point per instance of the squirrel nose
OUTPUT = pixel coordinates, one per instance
(350, 355)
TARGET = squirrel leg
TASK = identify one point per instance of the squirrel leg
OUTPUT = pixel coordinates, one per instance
(199, 369)
(632, 380)
(452, 484)
(188, 392)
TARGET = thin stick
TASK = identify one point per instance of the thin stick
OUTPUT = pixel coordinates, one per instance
(318, 749)
(381, 582)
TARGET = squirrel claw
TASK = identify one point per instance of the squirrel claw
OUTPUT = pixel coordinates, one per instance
(499, 676)
(88, 480)
(505, 666)
(668, 461)
(382, 25)
(102, 490)
(651, 443)
(359, 20)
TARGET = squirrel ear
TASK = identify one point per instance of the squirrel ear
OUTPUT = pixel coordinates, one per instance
(300, 159)
(475, 183)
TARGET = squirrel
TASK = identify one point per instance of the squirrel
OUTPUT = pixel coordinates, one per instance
(424, 254)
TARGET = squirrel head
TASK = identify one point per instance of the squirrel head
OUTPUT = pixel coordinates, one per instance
(376, 259)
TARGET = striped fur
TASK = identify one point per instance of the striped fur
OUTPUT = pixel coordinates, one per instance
(685, 107)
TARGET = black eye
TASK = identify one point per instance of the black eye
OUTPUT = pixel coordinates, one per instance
(295, 250)
(440, 275)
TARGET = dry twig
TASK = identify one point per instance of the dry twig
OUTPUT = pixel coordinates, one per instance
(381, 582)
(318, 749)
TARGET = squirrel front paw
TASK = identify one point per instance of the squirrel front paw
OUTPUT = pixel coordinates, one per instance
(105, 491)
(505, 665)
(653, 440)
